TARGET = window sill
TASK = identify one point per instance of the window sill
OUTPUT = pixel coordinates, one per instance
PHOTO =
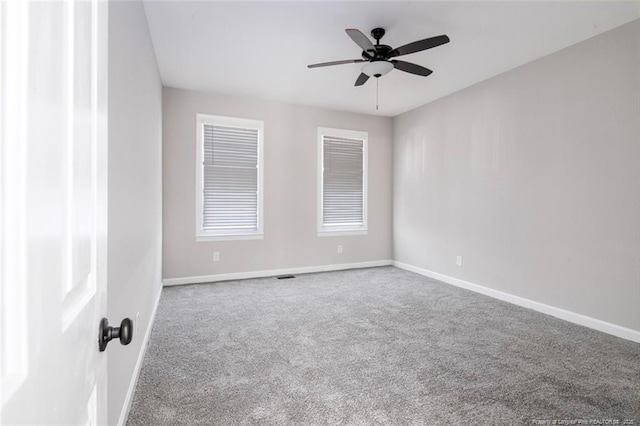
(228, 237)
(341, 233)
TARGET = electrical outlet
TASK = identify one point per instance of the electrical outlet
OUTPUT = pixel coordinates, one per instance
(340, 249)
(216, 256)
(459, 260)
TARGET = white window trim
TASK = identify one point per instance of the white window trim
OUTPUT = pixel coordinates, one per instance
(330, 231)
(235, 234)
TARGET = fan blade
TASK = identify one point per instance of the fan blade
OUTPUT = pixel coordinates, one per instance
(360, 39)
(418, 46)
(411, 68)
(326, 64)
(362, 79)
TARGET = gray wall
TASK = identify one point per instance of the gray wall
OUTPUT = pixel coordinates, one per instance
(290, 182)
(534, 178)
(135, 188)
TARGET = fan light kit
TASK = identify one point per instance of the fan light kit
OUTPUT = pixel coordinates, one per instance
(378, 56)
(377, 69)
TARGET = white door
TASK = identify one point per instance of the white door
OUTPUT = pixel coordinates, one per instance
(53, 159)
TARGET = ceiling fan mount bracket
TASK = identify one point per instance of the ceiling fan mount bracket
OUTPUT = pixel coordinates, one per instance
(377, 34)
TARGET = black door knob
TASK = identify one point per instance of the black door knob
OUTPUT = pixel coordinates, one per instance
(107, 333)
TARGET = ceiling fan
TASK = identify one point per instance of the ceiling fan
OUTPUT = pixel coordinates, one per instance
(378, 56)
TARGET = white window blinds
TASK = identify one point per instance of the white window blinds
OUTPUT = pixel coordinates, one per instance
(230, 178)
(342, 188)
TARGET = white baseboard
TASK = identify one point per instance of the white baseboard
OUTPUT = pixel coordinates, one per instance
(124, 414)
(596, 324)
(273, 272)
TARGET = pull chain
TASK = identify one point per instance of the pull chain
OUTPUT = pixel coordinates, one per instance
(377, 80)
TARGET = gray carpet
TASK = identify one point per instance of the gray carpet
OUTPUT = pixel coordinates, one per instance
(374, 346)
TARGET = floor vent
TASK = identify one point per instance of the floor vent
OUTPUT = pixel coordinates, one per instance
(285, 277)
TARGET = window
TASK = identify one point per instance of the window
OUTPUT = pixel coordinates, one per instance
(342, 182)
(229, 178)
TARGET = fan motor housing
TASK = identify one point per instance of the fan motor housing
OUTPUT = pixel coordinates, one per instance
(381, 52)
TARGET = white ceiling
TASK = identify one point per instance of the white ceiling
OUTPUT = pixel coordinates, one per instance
(262, 49)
